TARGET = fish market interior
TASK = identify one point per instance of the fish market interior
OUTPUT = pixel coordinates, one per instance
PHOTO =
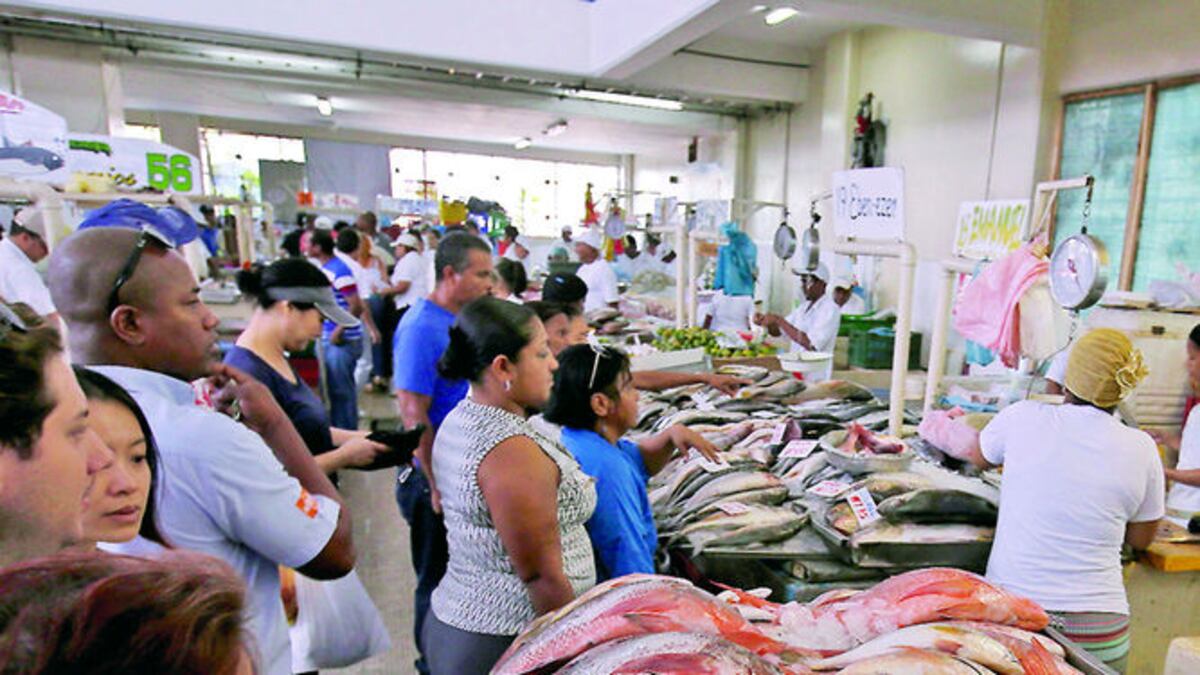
(600, 336)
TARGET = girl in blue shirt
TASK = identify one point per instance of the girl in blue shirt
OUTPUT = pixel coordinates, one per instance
(595, 402)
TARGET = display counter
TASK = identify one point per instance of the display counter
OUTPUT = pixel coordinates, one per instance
(1164, 600)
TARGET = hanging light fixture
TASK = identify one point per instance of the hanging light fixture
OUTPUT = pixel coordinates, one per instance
(523, 143)
(555, 129)
(324, 106)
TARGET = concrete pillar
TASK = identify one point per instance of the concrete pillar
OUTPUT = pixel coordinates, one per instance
(182, 131)
(72, 80)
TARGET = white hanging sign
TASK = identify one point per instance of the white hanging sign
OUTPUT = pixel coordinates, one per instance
(33, 140)
(990, 230)
(112, 163)
(869, 203)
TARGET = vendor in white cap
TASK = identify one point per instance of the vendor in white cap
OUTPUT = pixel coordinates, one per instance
(409, 281)
(518, 246)
(813, 326)
(563, 248)
(595, 271)
(662, 254)
(846, 298)
(24, 244)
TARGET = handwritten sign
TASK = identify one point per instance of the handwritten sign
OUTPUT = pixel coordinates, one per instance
(113, 163)
(798, 449)
(779, 433)
(862, 504)
(733, 508)
(869, 203)
(989, 230)
(829, 489)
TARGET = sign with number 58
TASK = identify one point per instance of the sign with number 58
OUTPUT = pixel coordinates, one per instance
(110, 163)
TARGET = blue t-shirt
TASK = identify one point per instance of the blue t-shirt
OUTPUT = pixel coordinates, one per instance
(421, 338)
(344, 285)
(622, 526)
(299, 402)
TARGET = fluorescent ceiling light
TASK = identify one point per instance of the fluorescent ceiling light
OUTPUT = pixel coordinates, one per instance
(324, 106)
(555, 129)
(779, 15)
(626, 99)
(523, 143)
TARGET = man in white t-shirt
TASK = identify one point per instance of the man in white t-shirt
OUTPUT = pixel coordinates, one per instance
(248, 492)
(563, 248)
(23, 246)
(595, 271)
(813, 325)
(409, 277)
(847, 300)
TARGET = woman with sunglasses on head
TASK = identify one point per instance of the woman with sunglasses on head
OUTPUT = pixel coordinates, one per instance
(595, 402)
(292, 297)
(121, 502)
(515, 502)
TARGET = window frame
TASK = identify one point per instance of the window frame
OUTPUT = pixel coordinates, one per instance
(1137, 186)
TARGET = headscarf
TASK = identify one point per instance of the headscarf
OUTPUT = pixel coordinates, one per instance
(1104, 368)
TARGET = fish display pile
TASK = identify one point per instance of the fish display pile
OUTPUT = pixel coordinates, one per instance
(938, 621)
(792, 453)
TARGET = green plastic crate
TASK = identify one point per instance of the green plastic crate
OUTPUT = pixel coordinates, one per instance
(873, 349)
(860, 323)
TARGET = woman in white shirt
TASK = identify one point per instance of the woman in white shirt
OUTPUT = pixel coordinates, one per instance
(1077, 485)
(1183, 502)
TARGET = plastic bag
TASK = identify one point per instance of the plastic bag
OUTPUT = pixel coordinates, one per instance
(948, 432)
(337, 624)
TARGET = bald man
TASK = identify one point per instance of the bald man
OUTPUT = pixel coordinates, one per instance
(253, 497)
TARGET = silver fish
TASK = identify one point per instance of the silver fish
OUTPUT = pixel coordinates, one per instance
(689, 417)
(837, 389)
(725, 485)
(910, 533)
(775, 391)
(670, 652)
(753, 373)
(758, 525)
(771, 496)
(953, 640)
(939, 506)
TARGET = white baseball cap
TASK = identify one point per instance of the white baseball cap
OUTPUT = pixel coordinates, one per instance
(30, 219)
(590, 238)
(842, 281)
(522, 242)
(408, 240)
(822, 272)
(323, 223)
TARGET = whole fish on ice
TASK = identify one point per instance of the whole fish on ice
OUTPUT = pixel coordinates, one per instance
(670, 653)
(912, 661)
(953, 640)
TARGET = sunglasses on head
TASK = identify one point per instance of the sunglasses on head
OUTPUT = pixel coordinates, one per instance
(147, 236)
(598, 350)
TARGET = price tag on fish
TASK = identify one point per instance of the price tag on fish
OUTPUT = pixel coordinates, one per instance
(798, 449)
(829, 489)
(703, 403)
(780, 432)
(733, 508)
(862, 504)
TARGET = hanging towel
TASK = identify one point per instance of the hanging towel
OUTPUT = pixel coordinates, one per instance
(988, 310)
(737, 263)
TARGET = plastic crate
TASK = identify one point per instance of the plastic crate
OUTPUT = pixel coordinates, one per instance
(873, 349)
(861, 323)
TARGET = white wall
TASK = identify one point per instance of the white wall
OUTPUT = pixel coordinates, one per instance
(1115, 42)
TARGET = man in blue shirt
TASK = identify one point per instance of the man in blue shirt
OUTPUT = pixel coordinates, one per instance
(248, 493)
(464, 273)
(342, 346)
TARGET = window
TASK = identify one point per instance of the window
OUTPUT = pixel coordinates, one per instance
(1142, 144)
(539, 196)
(232, 160)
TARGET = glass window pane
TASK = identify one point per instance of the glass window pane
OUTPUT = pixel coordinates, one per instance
(1100, 137)
(1170, 231)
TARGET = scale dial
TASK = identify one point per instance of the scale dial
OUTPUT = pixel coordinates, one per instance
(614, 226)
(1079, 272)
(785, 241)
(810, 249)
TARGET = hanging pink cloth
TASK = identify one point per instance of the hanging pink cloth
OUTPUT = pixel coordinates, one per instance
(987, 310)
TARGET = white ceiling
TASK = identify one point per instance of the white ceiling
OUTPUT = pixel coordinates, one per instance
(403, 112)
(790, 41)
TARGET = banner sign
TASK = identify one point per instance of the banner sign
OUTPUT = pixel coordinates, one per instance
(869, 203)
(33, 140)
(989, 230)
(101, 163)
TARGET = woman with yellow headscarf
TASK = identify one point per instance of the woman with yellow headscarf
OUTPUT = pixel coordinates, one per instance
(1077, 485)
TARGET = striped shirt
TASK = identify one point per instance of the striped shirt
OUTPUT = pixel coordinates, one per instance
(344, 286)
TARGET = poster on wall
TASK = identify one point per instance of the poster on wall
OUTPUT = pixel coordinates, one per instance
(989, 230)
(33, 140)
(869, 203)
(97, 163)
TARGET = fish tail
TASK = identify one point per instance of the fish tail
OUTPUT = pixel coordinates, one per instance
(745, 598)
